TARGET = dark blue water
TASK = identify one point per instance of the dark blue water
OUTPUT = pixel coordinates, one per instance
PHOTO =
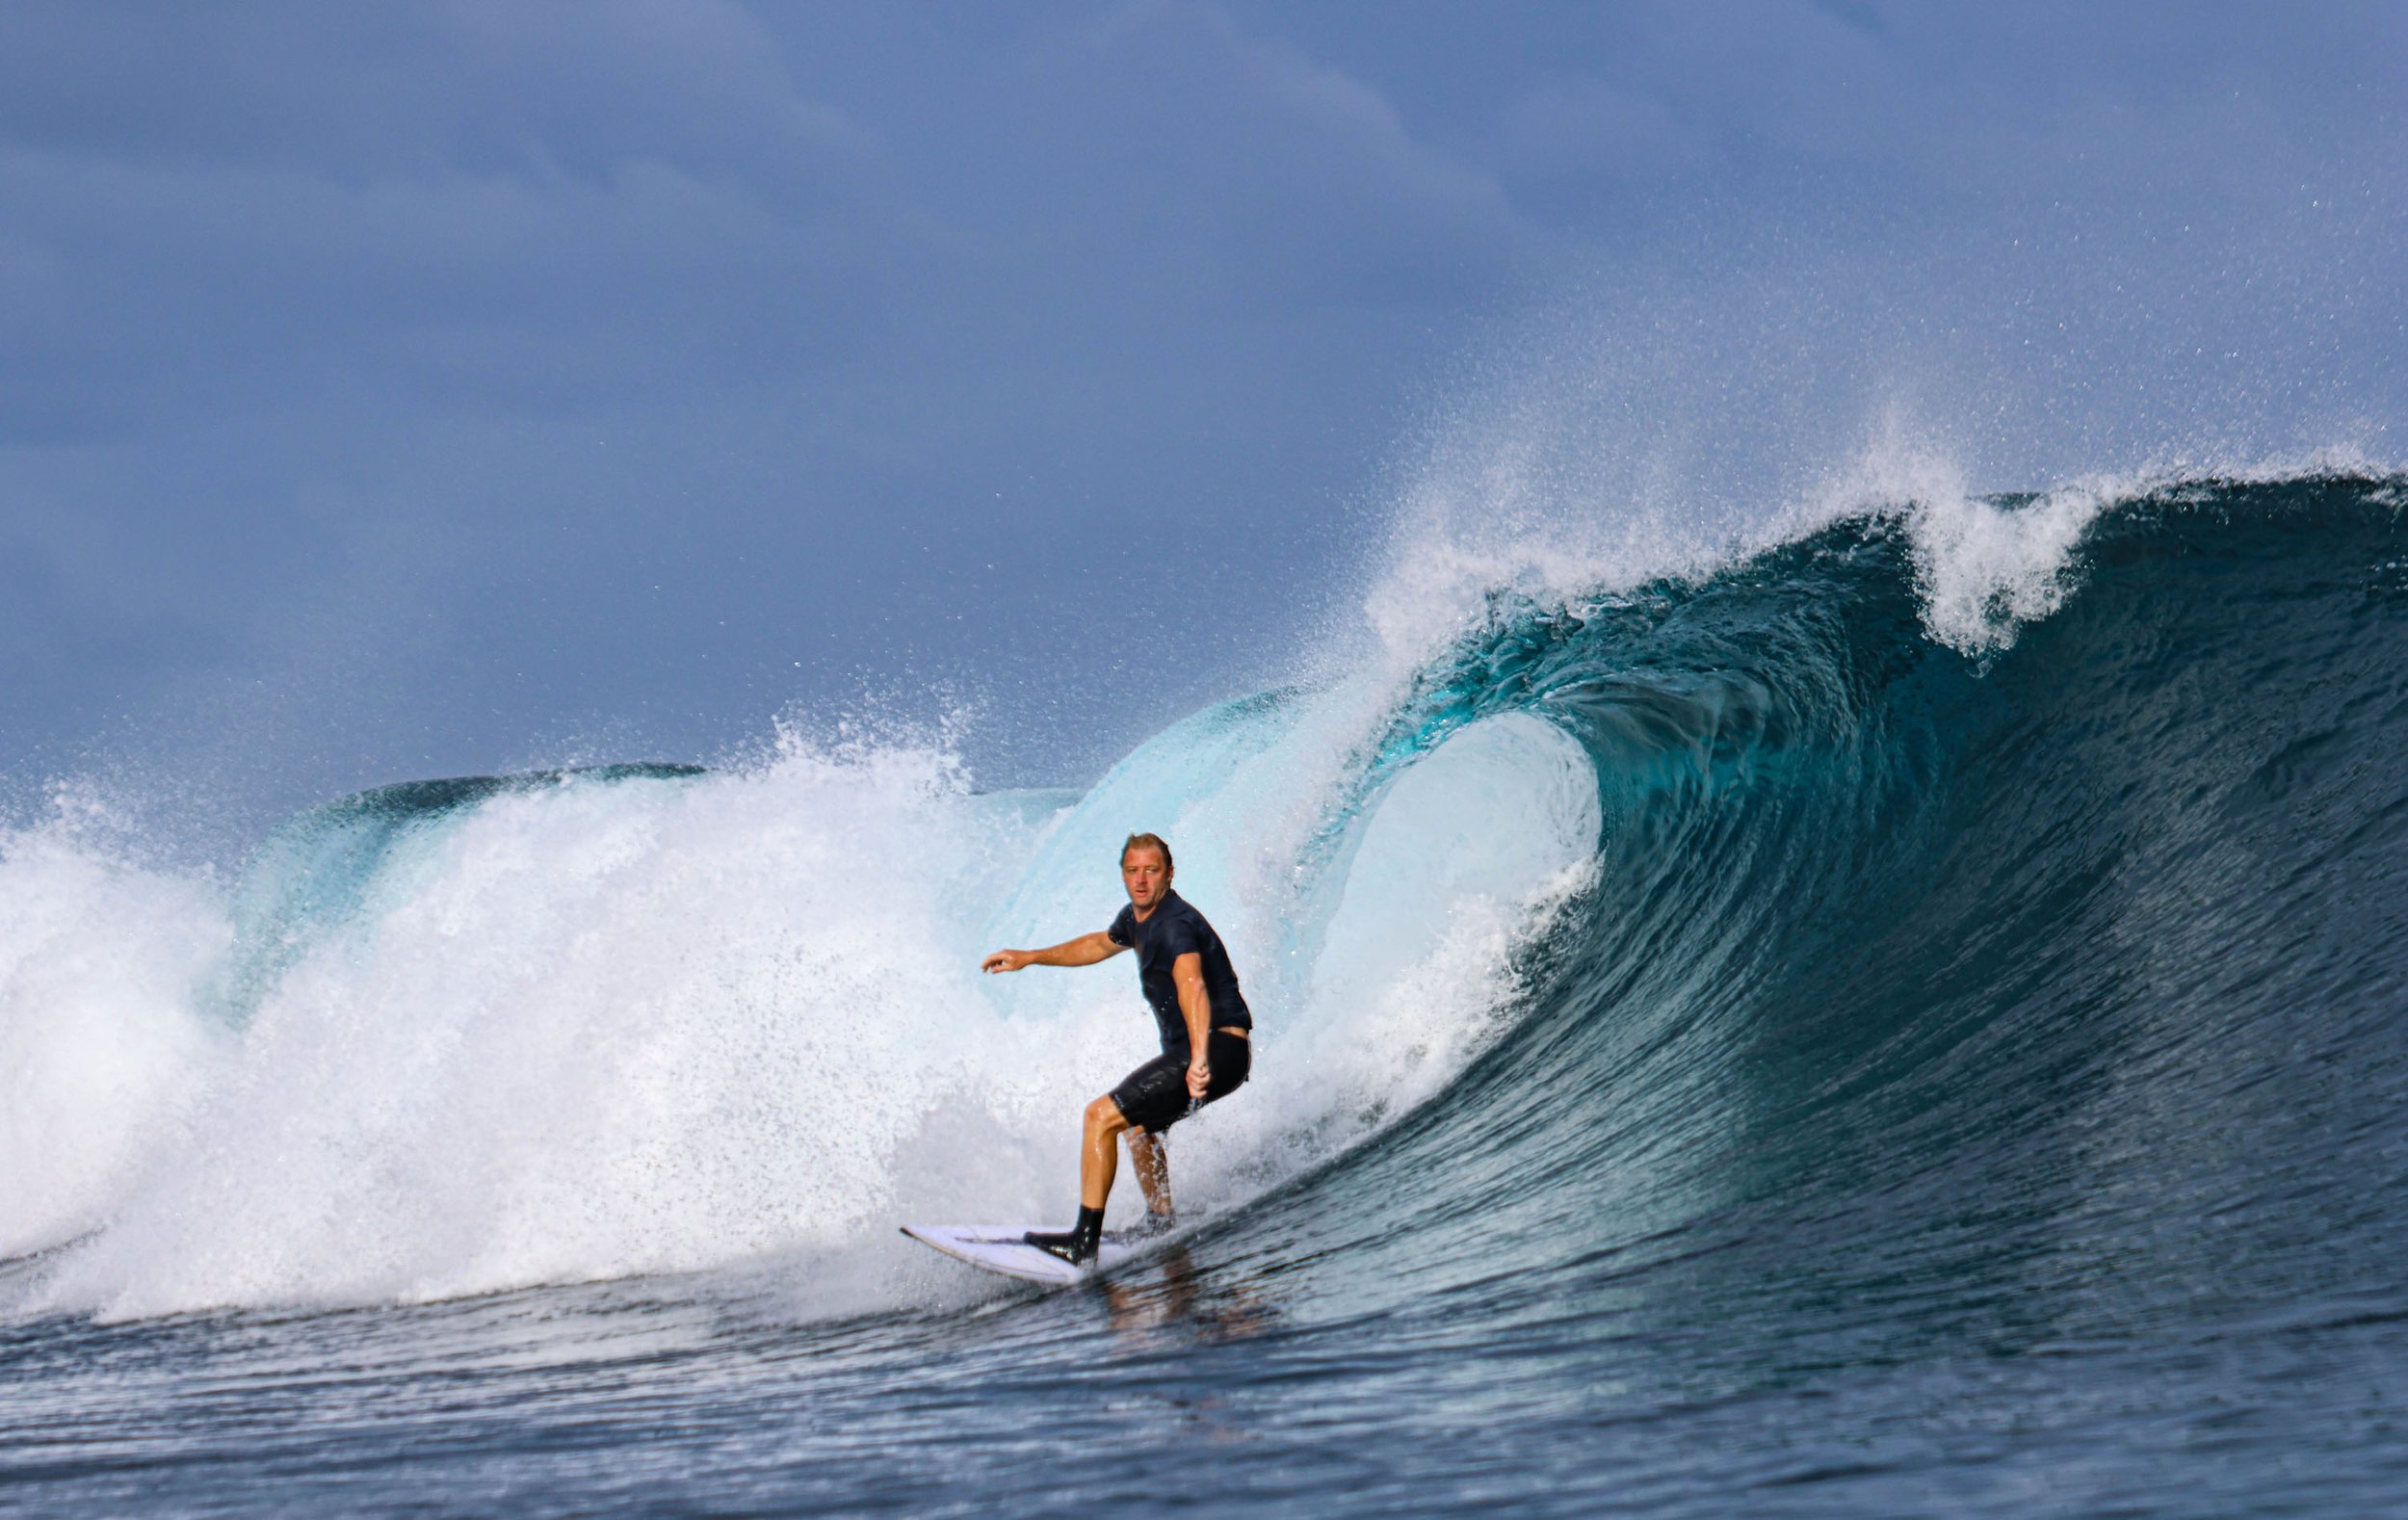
(1970, 1083)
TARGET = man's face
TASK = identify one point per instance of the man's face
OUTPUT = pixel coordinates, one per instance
(1147, 878)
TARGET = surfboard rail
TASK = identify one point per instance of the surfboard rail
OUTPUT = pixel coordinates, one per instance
(999, 1248)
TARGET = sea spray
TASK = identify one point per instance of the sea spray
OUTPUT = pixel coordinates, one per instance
(101, 1049)
(599, 1025)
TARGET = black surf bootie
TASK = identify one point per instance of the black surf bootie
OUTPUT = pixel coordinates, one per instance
(1075, 1244)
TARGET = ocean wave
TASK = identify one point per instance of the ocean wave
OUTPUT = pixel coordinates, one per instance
(1933, 832)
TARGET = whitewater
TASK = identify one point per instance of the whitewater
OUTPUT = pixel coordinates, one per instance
(1894, 1008)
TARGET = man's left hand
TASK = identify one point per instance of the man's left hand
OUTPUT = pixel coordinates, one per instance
(1199, 1080)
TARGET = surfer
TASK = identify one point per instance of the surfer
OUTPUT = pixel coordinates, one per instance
(1207, 1051)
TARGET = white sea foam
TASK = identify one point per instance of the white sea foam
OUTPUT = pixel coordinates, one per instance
(1479, 523)
(591, 1030)
(1982, 568)
(99, 1046)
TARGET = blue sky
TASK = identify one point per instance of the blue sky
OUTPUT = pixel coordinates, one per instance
(432, 389)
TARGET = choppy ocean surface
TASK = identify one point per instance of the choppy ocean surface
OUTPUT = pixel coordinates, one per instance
(1908, 1017)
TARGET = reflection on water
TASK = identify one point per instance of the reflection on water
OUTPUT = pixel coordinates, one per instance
(1175, 1297)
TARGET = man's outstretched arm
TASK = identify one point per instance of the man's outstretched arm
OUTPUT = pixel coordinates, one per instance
(1084, 951)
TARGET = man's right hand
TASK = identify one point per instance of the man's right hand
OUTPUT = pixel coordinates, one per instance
(1084, 951)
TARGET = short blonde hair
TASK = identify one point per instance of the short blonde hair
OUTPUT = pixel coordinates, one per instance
(1147, 842)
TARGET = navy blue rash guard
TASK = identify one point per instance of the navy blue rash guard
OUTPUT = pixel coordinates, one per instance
(1171, 930)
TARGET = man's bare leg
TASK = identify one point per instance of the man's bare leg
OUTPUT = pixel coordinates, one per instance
(1104, 1127)
(1098, 1159)
(1152, 1163)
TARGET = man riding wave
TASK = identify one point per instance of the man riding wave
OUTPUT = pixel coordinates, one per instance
(1207, 1051)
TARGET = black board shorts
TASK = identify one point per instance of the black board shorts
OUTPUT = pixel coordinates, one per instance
(1155, 1096)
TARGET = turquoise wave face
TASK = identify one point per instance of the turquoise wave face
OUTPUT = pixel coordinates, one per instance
(1927, 1001)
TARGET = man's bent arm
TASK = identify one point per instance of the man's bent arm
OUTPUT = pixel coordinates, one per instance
(1196, 1007)
(1084, 951)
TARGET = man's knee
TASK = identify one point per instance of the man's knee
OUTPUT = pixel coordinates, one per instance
(1105, 1115)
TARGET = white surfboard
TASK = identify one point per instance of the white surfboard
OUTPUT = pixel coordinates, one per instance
(999, 1248)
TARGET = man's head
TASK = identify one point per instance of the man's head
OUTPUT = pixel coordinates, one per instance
(1145, 869)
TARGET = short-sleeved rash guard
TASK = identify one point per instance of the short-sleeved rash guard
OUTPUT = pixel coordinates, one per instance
(1171, 930)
